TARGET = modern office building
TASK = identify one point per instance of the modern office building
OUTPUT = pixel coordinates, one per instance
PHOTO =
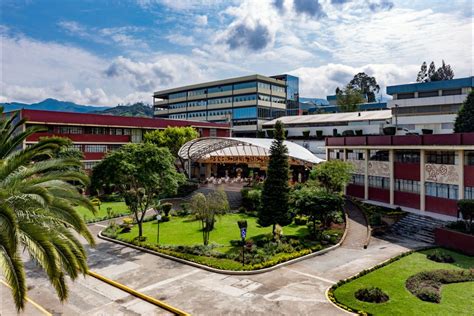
(332, 106)
(245, 102)
(430, 105)
(424, 174)
(96, 134)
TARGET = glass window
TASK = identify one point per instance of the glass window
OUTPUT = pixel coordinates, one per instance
(355, 154)
(336, 154)
(407, 156)
(442, 190)
(245, 85)
(278, 100)
(378, 155)
(220, 89)
(220, 100)
(441, 157)
(427, 94)
(197, 103)
(193, 93)
(177, 95)
(469, 158)
(243, 113)
(278, 89)
(245, 97)
(469, 193)
(70, 130)
(213, 132)
(407, 185)
(95, 148)
(263, 85)
(181, 105)
(452, 92)
(402, 96)
(379, 182)
(357, 179)
(219, 112)
(264, 97)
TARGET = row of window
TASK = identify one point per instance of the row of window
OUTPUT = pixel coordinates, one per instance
(410, 186)
(442, 190)
(358, 179)
(237, 113)
(77, 130)
(379, 182)
(237, 86)
(378, 155)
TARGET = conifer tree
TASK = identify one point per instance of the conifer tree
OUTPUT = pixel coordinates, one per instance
(274, 208)
(465, 120)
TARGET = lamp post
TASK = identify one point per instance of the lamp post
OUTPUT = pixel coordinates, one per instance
(396, 118)
(158, 219)
(243, 233)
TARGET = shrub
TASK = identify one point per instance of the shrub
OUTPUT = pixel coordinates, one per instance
(166, 208)
(306, 133)
(466, 208)
(426, 285)
(165, 218)
(127, 224)
(426, 131)
(301, 220)
(371, 295)
(319, 133)
(359, 132)
(111, 231)
(439, 256)
(389, 130)
(348, 133)
(187, 188)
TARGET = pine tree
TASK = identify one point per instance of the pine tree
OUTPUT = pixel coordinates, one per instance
(274, 208)
(444, 72)
(432, 75)
(465, 120)
(423, 73)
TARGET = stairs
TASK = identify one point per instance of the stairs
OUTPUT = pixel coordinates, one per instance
(417, 227)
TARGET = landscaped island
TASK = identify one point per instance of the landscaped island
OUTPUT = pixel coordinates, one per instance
(182, 237)
(416, 284)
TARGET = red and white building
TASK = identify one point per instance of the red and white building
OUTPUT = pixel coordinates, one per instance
(96, 134)
(424, 174)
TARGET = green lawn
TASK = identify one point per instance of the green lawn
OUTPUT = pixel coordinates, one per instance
(117, 208)
(185, 231)
(457, 299)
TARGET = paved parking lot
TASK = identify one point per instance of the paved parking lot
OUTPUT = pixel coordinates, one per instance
(297, 289)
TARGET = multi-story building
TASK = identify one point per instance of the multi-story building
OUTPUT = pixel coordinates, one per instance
(245, 102)
(430, 105)
(96, 134)
(424, 174)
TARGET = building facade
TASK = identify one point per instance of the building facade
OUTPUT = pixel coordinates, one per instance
(429, 105)
(424, 174)
(245, 102)
(96, 134)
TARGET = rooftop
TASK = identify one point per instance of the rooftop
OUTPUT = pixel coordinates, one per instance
(48, 117)
(333, 117)
(430, 86)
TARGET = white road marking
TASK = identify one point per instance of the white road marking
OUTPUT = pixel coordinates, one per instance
(170, 280)
(310, 275)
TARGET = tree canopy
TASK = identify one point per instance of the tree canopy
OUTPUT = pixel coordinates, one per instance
(332, 175)
(445, 72)
(465, 120)
(349, 99)
(274, 207)
(366, 84)
(172, 137)
(141, 173)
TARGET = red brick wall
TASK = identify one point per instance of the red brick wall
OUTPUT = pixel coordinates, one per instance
(455, 240)
(407, 171)
(469, 176)
(441, 206)
(381, 195)
(407, 199)
(355, 190)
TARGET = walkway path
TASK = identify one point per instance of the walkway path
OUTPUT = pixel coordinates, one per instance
(297, 289)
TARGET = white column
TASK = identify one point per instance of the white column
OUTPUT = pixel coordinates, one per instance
(391, 160)
(344, 158)
(366, 175)
(461, 174)
(422, 180)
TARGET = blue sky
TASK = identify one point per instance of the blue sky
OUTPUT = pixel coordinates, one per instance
(109, 52)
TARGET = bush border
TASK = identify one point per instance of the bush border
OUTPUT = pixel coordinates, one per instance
(330, 291)
(170, 256)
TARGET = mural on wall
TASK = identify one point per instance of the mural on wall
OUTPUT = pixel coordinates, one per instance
(448, 174)
(379, 168)
(359, 166)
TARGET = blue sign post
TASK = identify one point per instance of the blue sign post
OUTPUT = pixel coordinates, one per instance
(243, 233)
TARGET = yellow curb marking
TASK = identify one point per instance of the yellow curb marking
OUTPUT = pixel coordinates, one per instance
(133, 292)
(39, 307)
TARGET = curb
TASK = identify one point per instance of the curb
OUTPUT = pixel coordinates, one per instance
(140, 295)
(326, 293)
(231, 272)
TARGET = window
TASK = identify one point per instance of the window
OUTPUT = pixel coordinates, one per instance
(469, 193)
(197, 114)
(355, 154)
(402, 96)
(336, 154)
(262, 85)
(411, 186)
(427, 94)
(88, 165)
(181, 105)
(407, 156)
(95, 148)
(77, 146)
(245, 85)
(452, 92)
(243, 113)
(378, 155)
(213, 132)
(244, 123)
(264, 113)
(278, 100)
(219, 112)
(197, 92)
(220, 101)
(357, 179)
(220, 89)
(447, 125)
(197, 103)
(177, 95)
(278, 89)
(127, 131)
(442, 190)
(469, 158)
(278, 113)
(264, 97)
(441, 157)
(379, 182)
(70, 130)
(245, 97)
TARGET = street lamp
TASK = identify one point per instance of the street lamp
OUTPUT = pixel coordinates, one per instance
(243, 233)
(158, 219)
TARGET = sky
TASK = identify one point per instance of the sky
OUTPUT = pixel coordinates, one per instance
(109, 52)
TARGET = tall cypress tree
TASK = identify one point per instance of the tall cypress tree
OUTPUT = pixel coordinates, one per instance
(274, 208)
(465, 120)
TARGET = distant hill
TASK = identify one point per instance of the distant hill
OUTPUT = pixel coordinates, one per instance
(137, 109)
(53, 105)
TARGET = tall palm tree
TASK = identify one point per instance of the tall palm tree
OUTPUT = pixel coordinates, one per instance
(37, 209)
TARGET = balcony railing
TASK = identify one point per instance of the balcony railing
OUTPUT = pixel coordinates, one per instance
(405, 140)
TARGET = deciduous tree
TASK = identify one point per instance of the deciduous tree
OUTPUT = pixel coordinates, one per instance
(366, 84)
(332, 175)
(171, 137)
(349, 99)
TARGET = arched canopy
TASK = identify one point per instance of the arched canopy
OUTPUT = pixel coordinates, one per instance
(209, 147)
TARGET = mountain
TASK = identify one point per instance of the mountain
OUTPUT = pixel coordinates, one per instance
(53, 105)
(137, 109)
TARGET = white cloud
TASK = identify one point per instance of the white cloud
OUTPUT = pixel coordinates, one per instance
(201, 20)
